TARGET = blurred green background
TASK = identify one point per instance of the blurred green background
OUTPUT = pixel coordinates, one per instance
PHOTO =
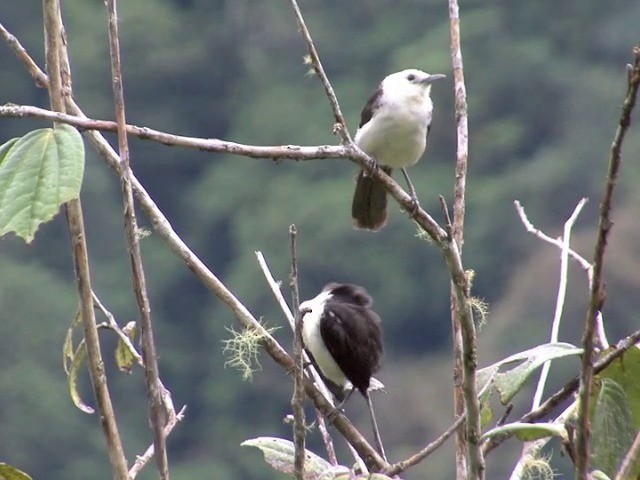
(545, 81)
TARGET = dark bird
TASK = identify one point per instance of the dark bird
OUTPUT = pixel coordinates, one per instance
(393, 130)
(343, 336)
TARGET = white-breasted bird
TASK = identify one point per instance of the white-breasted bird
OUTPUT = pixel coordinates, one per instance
(393, 130)
(343, 337)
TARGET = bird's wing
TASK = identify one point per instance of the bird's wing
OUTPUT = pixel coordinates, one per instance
(371, 106)
(353, 336)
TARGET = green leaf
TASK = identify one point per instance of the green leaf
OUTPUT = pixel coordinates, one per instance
(625, 371)
(612, 428)
(125, 356)
(67, 347)
(279, 453)
(598, 475)
(528, 432)
(38, 173)
(7, 472)
(78, 359)
(508, 383)
(5, 147)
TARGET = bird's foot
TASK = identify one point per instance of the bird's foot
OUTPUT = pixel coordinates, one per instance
(373, 164)
(414, 207)
(333, 414)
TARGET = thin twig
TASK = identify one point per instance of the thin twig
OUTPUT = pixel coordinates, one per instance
(143, 459)
(597, 287)
(341, 123)
(113, 325)
(560, 298)
(54, 53)
(297, 400)
(554, 241)
(276, 152)
(400, 467)
(157, 415)
(531, 449)
(603, 343)
(463, 327)
(629, 461)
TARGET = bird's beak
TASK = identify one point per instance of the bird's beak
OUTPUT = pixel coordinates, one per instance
(432, 78)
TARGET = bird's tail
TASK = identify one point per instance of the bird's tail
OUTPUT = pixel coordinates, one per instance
(369, 207)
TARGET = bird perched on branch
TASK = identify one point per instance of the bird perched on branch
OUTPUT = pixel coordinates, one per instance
(393, 131)
(343, 337)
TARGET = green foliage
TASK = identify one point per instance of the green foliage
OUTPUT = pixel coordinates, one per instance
(510, 382)
(125, 356)
(38, 173)
(528, 432)
(612, 428)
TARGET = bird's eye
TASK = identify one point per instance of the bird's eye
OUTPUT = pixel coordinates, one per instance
(411, 77)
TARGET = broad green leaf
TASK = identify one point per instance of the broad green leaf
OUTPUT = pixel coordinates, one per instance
(598, 475)
(78, 359)
(508, 383)
(528, 432)
(38, 173)
(7, 472)
(612, 428)
(625, 371)
(279, 453)
(125, 357)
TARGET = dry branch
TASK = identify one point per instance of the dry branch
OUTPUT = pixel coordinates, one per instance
(158, 416)
(597, 285)
(55, 53)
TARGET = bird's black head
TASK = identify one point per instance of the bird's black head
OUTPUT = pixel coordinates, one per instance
(348, 293)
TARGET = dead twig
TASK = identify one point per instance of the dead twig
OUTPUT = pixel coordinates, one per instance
(597, 286)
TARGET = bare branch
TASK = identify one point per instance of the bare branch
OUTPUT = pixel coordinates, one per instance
(341, 123)
(603, 343)
(597, 286)
(143, 459)
(554, 241)
(278, 152)
(157, 415)
(400, 467)
(297, 401)
(463, 327)
(113, 325)
(54, 52)
(562, 293)
(531, 449)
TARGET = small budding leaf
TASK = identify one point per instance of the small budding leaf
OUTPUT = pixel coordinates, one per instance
(125, 357)
(38, 173)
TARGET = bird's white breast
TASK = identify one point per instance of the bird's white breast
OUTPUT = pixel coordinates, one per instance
(396, 134)
(313, 341)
